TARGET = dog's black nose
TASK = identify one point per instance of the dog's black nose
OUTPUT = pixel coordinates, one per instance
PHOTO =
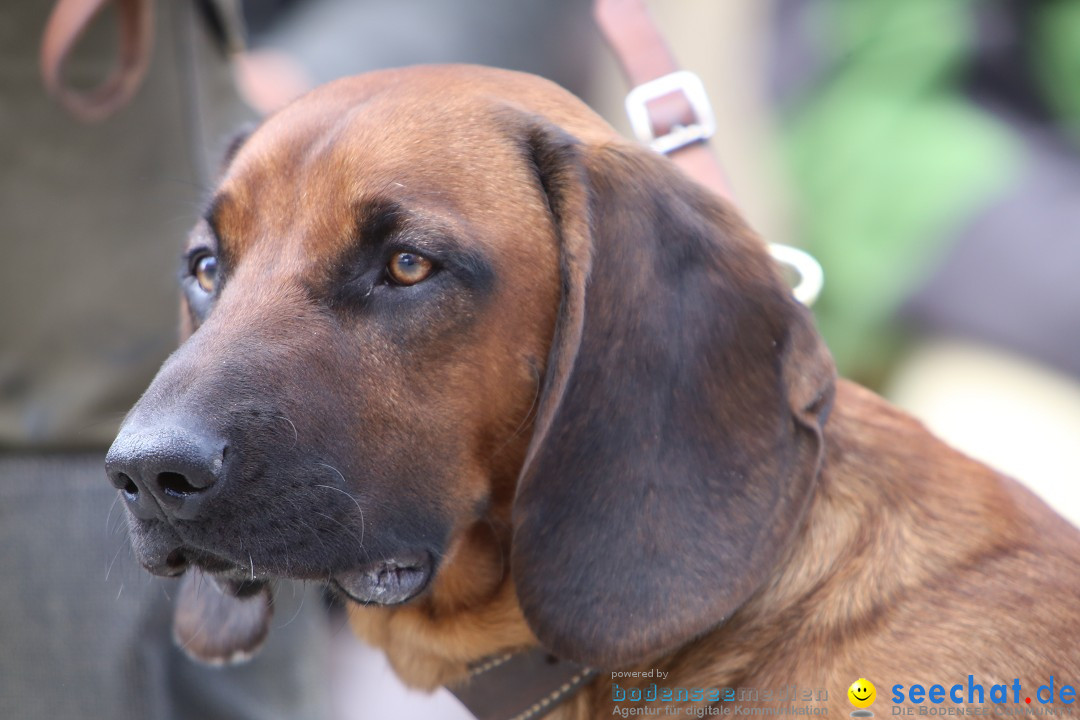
(165, 471)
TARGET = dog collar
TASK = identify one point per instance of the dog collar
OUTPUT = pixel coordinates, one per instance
(523, 685)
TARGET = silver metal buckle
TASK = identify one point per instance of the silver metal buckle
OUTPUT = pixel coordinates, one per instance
(690, 85)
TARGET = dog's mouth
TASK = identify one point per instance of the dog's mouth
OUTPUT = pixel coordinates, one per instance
(386, 582)
(223, 610)
(389, 581)
(229, 577)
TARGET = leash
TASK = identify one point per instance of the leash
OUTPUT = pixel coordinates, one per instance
(669, 111)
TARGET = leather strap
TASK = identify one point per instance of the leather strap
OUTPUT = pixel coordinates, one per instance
(526, 685)
(67, 23)
(645, 56)
(647, 62)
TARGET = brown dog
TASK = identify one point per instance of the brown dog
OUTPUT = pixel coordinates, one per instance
(506, 379)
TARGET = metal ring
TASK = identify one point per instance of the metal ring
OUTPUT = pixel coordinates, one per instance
(811, 276)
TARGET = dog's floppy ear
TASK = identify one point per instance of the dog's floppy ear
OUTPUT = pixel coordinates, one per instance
(679, 435)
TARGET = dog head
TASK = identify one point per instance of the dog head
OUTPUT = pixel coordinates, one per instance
(433, 302)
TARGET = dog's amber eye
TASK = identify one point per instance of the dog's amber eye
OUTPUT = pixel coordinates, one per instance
(406, 268)
(205, 271)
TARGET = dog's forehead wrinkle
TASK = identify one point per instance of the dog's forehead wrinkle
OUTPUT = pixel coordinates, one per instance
(376, 148)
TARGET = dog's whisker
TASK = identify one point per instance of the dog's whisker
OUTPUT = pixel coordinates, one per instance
(285, 550)
(108, 516)
(528, 415)
(298, 609)
(313, 531)
(349, 531)
(502, 553)
(350, 496)
(108, 570)
(296, 435)
(331, 467)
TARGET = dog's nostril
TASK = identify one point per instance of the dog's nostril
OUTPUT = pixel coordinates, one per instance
(175, 484)
(128, 485)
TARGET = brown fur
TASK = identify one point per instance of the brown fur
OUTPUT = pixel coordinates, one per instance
(915, 565)
(742, 530)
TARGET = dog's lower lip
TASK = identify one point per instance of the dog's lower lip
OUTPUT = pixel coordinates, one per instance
(231, 578)
(386, 582)
(237, 581)
(241, 588)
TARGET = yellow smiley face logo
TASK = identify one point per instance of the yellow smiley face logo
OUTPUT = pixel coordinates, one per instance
(861, 693)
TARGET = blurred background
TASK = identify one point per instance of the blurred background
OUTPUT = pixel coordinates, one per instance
(926, 152)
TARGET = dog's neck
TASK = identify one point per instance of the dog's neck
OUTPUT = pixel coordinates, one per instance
(867, 538)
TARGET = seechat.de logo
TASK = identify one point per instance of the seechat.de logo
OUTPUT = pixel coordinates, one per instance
(973, 692)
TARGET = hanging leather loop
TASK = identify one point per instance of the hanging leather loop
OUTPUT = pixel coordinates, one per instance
(67, 24)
